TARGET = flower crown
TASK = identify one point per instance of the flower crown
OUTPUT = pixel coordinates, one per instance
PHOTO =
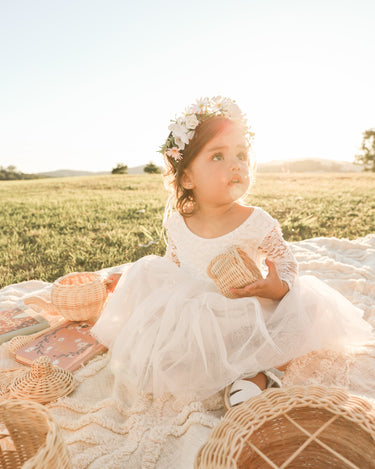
(183, 127)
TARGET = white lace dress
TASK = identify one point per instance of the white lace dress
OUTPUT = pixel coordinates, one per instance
(170, 330)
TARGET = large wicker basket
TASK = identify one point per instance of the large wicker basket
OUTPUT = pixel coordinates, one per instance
(30, 438)
(297, 427)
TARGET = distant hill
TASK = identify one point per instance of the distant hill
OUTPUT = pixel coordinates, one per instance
(308, 165)
(62, 173)
(283, 166)
(136, 170)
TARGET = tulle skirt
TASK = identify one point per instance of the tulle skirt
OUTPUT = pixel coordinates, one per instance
(170, 332)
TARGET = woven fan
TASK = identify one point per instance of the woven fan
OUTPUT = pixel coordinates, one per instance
(43, 383)
(233, 269)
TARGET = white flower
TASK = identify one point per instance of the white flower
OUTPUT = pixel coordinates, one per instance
(191, 121)
(180, 144)
(216, 104)
(179, 131)
(234, 111)
(181, 121)
(200, 107)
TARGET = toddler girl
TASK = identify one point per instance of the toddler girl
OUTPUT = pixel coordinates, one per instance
(167, 324)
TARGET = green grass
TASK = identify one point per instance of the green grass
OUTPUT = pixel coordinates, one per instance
(51, 227)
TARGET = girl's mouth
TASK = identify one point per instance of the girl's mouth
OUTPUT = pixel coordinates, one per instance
(235, 180)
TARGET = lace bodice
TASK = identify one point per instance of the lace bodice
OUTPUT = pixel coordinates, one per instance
(259, 236)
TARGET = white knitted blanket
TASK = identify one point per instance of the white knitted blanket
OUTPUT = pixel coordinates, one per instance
(106, 427)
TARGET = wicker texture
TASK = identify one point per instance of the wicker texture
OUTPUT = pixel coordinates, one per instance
(79, 296)
(233, 269)
(4, 391)
(29, 438)
(296, 427)
(43, 383)
(21, 340)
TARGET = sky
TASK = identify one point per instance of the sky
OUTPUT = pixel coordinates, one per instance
(88, 84)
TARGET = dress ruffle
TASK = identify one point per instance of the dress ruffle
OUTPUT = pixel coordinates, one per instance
(171, 332)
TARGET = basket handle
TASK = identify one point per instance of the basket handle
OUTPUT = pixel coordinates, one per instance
(41, 302)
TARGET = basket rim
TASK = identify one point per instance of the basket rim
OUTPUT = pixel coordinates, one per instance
(332, 399)
(57, 283)
(297, 398)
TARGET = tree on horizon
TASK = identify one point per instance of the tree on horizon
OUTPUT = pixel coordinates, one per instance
(121, 168)
(151, 168)
(366, 155)
(12, 174)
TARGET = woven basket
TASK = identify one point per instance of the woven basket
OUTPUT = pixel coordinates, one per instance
(79, 296)
(29, 438)
(43, 383)
(297, 427)
(233, 269)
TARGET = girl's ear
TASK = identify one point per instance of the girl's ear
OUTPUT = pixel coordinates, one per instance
(186, 180)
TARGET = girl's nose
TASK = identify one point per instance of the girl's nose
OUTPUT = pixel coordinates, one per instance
(235, 165)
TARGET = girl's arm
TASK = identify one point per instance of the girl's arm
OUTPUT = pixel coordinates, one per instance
(282, 269)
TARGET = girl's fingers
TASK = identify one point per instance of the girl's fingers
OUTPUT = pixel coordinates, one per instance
(248, 290)
(271, 267)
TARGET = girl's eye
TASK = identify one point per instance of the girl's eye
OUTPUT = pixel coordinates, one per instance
(243, 156)
(217, 156)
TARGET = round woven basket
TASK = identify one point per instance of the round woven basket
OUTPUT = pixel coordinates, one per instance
(233, 269)
(79, 296)
(29, 438)
(297, 427)
(43, 383)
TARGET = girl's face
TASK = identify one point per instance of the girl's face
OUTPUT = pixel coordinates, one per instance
(219, 174)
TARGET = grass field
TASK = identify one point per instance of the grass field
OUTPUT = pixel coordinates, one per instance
(51, 227)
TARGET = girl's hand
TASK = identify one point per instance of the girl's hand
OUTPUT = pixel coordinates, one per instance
(271, 287)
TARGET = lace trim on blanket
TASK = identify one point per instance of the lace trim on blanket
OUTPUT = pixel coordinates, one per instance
(277, 250)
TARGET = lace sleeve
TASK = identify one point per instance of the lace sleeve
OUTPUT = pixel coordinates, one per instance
(171, 252)
(277, 250)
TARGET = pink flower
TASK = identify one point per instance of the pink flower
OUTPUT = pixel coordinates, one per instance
(174, 153)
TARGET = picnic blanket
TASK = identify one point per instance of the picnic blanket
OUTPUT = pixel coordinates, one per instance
(105, 426)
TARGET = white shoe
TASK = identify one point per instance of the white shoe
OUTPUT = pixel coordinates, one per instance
(242, 389)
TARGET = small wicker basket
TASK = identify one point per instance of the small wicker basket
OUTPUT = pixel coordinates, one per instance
(79, 296)
(30, 438)
(297, 427)
(233, 269)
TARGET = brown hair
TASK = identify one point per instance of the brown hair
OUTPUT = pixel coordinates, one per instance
(205, 131)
